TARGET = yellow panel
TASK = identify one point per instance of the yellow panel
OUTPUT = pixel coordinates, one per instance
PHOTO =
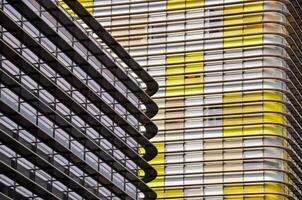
(175, 90)
(175, 59)
(159, 159)
(173, 193)
(253, 188)
(194, 3)
(246, 29)
(83, 2)
(174, 4)
(274, 197)
(169, 193)
(197, 88)
(233, 9)
(274, 187)
(160, 169)
(254, 198)
(238, 189)
(175, 80)
(233, 189)
(196, 78)
(241, 118)
(253, 7)
(159, 192)
(252, 40)
(160, 147)
(232, 131)
(253, 130)
(158, 182)
(185, 79)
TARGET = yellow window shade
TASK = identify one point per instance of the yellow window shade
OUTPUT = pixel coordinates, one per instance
(175, 80)
(233, 120)
(274, 118)
(196, 66)
(274, 106)
(252, 19)
(196, 87)
(242, 116)
(194, 57)
(240, 197)
(158, 182)
(173, 4)
(159, 192)
(233, 130)
(233, 9)
(274, 129)
(194, 3)
(160, 147)
(234, 189)
(195, 79)
(174, 70)
(253, 6)
(254, 118)
(253, 130)
(260, 197)
(231, 42)
(253, 29)
(274, 197)
(252, 40)
(270, 95)
(181, 80)
(175, 59)
(159, 159)
(160, 169)
(243, 29)
(253, 188)
(274, 188)
(169, 193)
(175, 90)
(231, 190)
(85, 3)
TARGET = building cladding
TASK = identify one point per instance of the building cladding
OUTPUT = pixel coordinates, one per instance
(73, 119)
(229, 73)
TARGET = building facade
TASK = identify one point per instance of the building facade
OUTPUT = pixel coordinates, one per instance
(229, 74)
(73, 119)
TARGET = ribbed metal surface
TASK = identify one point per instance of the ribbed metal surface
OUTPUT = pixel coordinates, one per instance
(71, 115)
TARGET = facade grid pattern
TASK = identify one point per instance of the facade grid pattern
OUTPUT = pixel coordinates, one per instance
(229, 74)
(72, 117)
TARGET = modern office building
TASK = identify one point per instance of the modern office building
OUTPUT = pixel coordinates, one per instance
(73, 119)
(229, 73)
